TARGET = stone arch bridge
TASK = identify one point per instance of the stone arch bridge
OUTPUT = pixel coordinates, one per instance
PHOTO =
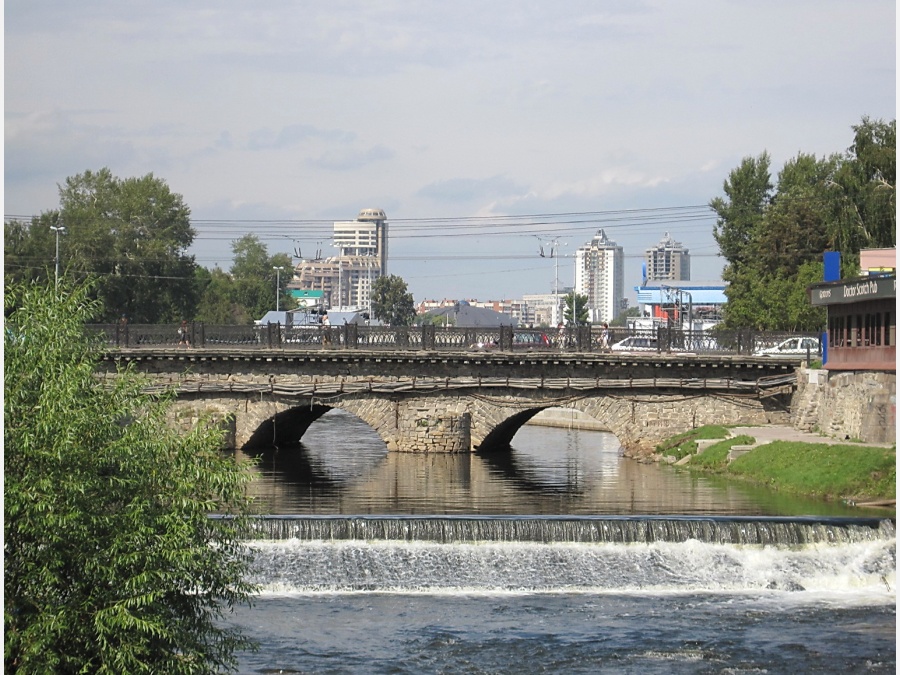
(444, 402)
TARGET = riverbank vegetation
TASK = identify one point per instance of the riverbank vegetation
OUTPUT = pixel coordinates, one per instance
(847, 471)
(112, 564)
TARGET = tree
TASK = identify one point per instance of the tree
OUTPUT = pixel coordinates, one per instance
(748, 189)
(391, 302)
(862, 192)
(578, 303)
(622, 318)
(254, 277)
(112, 564)
(217, 305)
(773, 237)
(132, 234)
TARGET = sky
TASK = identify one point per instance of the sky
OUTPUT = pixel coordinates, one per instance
(484, 130)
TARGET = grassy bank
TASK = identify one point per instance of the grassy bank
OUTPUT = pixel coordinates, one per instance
(849, 471)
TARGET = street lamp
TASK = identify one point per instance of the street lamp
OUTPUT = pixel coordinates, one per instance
(277, 286)
(58, 229)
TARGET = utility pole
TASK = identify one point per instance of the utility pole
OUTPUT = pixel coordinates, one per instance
(58, 229)
(277, 286)
(554, 253)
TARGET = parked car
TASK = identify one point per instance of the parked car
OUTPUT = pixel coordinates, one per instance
(798, 346)
(636, 343)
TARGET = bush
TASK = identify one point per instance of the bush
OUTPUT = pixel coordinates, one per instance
(112, 564)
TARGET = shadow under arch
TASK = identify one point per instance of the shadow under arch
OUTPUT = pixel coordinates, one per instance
(284, 429)
(500, 437)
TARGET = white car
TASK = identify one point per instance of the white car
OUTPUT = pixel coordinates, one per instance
(636, 343)
(794, 347)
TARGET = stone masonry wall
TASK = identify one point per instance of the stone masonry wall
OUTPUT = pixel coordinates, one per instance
(857, 405)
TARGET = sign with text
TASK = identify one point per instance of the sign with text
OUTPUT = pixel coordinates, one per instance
(871, 288)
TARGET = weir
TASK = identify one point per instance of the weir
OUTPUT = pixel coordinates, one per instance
(572, 529)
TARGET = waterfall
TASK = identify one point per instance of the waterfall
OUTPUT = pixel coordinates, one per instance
(573, 529)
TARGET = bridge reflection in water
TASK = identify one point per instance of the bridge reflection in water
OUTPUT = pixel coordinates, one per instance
(342, 467)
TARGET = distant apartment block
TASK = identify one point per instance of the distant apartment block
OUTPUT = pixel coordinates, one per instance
(668, 261)
(600, 275)
(346, 280)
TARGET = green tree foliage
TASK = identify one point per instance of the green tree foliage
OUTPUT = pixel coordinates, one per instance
(246, 293)
(112, 564)
(254, 278)
(391, 302)
(749, 190)
(773, 236)
(622, 318)
(575, 309)
(132, 235)
(861, 193)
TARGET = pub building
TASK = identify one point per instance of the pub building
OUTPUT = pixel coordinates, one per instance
(862, 315)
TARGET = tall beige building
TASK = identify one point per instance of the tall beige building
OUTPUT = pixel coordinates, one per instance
(347, 279)
(668, 261)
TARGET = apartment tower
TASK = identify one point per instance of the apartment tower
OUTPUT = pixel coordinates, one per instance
(600, 275)
(668, 261)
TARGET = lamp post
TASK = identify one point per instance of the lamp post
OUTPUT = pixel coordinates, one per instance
(58, 229)
(277, 286)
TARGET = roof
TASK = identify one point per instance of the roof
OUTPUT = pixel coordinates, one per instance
(466, 316)
(701, 292)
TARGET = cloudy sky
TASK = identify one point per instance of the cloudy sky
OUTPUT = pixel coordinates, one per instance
(481, 128)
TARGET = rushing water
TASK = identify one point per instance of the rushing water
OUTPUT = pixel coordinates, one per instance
(558, 557)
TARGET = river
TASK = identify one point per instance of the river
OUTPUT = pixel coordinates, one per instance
(559, 556)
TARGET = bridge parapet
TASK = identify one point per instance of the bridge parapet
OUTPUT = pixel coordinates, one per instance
(583, 339)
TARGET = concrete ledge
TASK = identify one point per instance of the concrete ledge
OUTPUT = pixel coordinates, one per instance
(738, 450)
(704, 443)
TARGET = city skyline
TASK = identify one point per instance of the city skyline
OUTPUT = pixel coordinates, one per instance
(484, 131)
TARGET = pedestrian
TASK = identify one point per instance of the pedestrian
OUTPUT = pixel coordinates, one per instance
(561, 335)
(184, 334)
(604, 337)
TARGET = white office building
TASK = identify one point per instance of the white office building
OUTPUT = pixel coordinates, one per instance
(600, 275)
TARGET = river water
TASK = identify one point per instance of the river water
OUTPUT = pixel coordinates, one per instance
(559, 556)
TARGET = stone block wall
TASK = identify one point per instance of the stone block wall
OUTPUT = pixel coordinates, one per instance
(856, 405)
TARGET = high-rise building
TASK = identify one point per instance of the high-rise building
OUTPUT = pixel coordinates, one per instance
(600, 275)
(668, 261)
(347, 279)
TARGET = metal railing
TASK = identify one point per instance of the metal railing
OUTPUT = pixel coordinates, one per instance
(582, 339)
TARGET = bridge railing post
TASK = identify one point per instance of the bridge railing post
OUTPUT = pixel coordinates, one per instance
(583, 338)
(506, 338)
(122, 333)
(428, 336)
(351, 335)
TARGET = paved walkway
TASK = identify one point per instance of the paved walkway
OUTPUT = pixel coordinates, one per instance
(775, 432)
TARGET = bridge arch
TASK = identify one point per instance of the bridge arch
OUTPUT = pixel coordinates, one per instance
(470, 420)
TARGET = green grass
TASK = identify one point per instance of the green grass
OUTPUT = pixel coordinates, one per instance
(715, 457)
(686, 444)
(821, 470)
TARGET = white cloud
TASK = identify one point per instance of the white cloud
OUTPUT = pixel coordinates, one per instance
(310, 109)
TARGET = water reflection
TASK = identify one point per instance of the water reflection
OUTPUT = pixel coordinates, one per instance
(343, 467)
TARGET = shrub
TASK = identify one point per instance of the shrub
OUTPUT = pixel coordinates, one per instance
(112, 564)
